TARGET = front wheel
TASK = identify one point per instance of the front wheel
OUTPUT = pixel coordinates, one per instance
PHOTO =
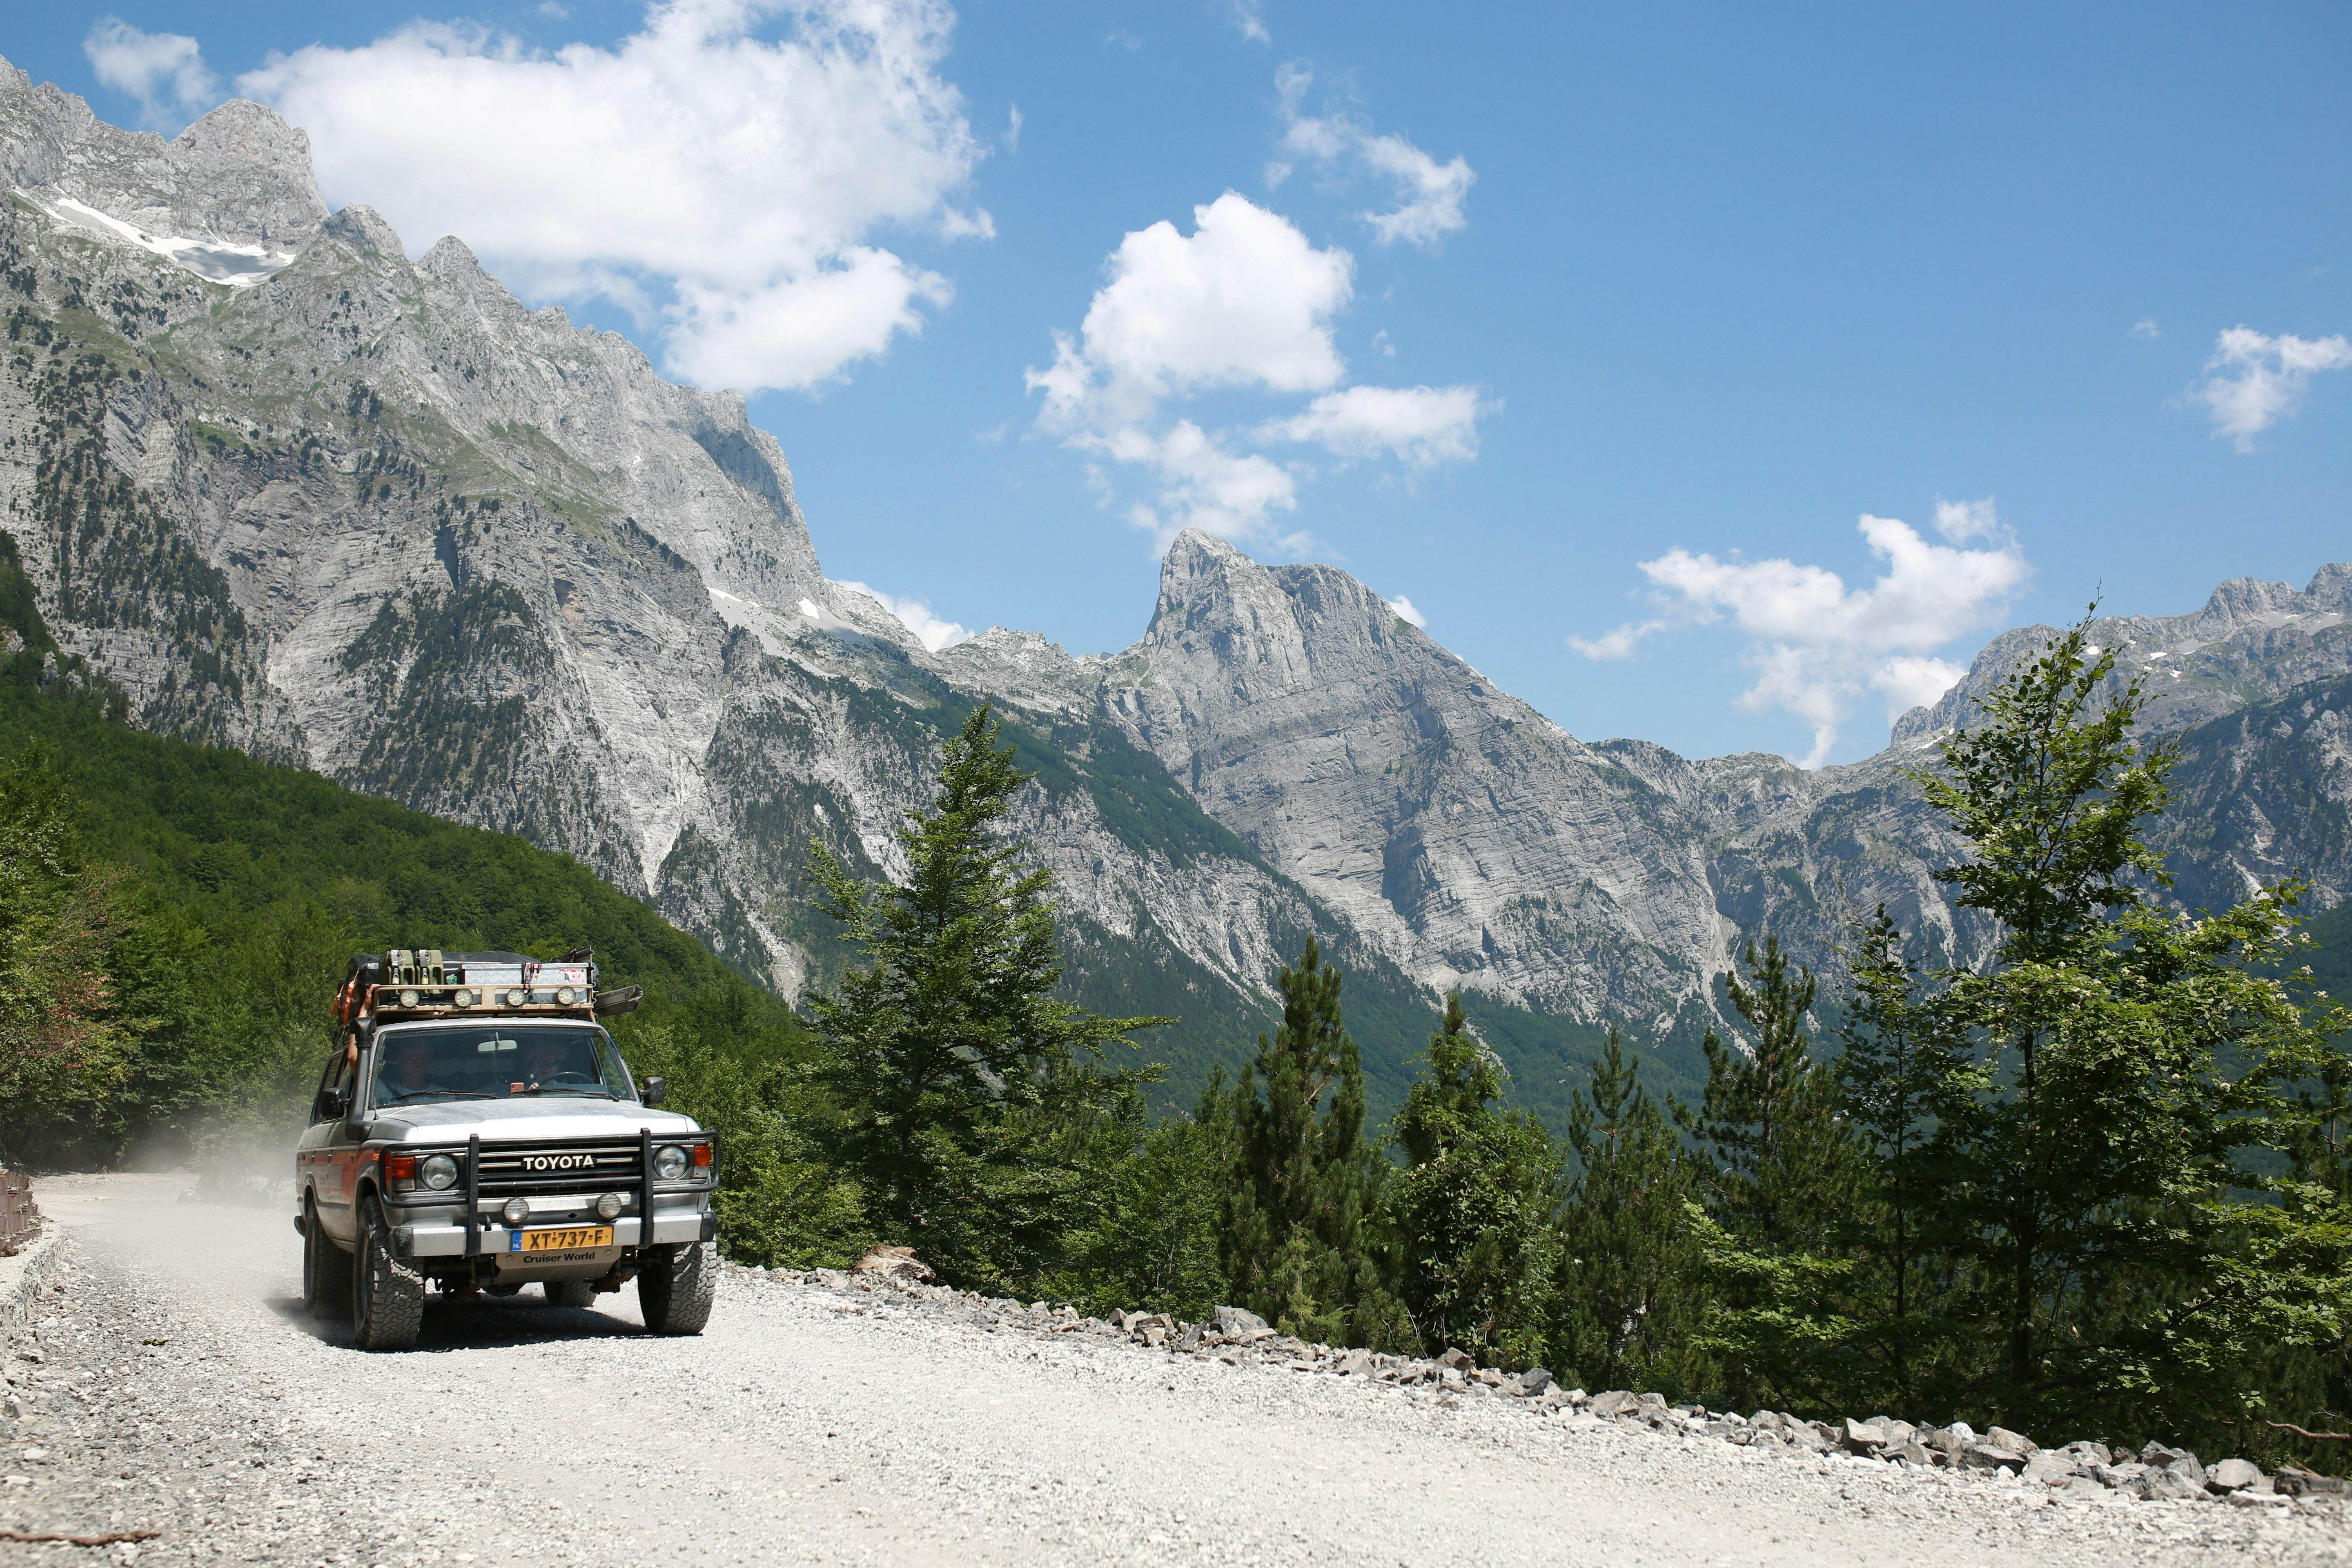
(326, 1267)
(388, 1295)
(674, 1286)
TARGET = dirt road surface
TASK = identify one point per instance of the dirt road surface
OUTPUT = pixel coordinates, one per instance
(180, 1388)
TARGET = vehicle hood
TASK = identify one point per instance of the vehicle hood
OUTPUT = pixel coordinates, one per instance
(523, 1120)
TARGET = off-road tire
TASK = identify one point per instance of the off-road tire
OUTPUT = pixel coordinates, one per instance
(580, 1293)
(675, 1286)
(387, 1295)
(326, 1268)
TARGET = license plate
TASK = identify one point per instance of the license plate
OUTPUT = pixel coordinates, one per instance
(570, 1239)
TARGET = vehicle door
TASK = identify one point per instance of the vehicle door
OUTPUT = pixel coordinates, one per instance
(336, 1156)
(311, 1149)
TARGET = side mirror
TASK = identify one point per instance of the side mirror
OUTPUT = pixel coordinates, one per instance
(656, 1088)
(330, 1105)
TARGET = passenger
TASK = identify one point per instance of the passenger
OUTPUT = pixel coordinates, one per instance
(411, 1070)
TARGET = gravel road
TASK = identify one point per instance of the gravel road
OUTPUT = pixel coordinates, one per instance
(180, 1389)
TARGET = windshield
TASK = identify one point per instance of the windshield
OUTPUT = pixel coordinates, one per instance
(497, 1061)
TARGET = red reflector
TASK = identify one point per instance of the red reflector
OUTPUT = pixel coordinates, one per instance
(701, 1155)
(400, 1167)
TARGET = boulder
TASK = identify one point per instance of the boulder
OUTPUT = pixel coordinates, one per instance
(1534, 1381)
(1190, 1338)
(893, 1263)
(1615, 1402)
(2236, 1474)
(1985, 1457)
(1657, 1402)
(2168, 1482)
(2052, 1467)
(1356, 1364)
(1910, 1451)
(1240, 1326)
(1457, 1358)
(2130, 1477)
(1860, 1437)
(2016, 1443)
(2294, 1481)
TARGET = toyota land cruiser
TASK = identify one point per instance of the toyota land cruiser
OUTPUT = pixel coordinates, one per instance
(478, 1131)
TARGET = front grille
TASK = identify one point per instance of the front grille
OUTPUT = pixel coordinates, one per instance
(526, 1169)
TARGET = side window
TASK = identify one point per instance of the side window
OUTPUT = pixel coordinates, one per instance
(337, 1076)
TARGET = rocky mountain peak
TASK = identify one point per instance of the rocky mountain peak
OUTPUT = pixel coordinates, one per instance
(239, 177)
(2250, 641)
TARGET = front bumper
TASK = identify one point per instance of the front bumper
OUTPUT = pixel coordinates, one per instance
(447, 1238)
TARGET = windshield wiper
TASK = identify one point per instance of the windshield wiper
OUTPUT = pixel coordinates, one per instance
(573, 1089)
(438, 1094)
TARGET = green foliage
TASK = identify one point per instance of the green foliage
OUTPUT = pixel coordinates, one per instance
(1470, 1218)
(222, 896)
(1150, 1237)
(64, 1048)
(960, 1073)
(1292, 1231)
(1780, 1164)
(1628, 1289)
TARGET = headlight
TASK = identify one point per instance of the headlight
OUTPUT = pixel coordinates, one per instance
(408, 998)
(463, 998)
(563, 996)
(439, 1172)
(517, 998)
(669, 1163)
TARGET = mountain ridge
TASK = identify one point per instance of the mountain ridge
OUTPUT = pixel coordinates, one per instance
(377, 516)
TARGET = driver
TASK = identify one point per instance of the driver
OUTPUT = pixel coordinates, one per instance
(543, 1060)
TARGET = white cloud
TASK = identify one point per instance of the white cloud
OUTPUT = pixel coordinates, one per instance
(1203, 485)
(1405, 612)
(1429, 196)
(1249, 15)
(165, 71)
(1814, 644)
(915, 616)
(1425, 425)
(1244, 301)
(2147, 327)
(1964, 521)
(1620, 642)
(2253, 381)
(731, 182)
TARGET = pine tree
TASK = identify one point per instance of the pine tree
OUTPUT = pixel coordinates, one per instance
(1472, 1216)
(1628, 1289)
(1901, 1080)
(1293, 1233)
(958, 1072)
(1780, 1160)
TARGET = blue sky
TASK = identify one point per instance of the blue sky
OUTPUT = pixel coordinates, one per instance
(1624, 325)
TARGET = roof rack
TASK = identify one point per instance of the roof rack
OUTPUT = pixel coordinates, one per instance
(426, 982)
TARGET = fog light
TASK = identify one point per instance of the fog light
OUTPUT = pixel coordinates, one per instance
(439, 1172)
(563, 996)
(408, 998)
(669, 1163)
(516, 998)
(516, 1212)
(609, 1207)
(465, 998)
